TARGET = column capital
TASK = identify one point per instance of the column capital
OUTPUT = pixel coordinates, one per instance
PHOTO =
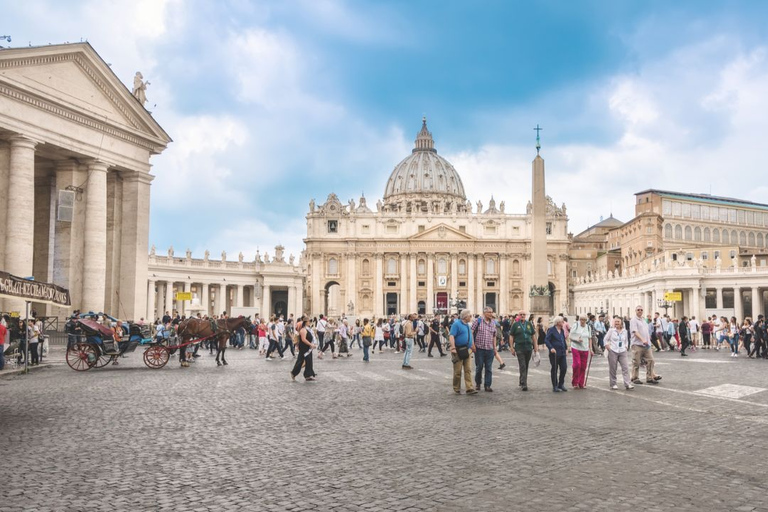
(22, 141)
(141, 177)
(96, 165)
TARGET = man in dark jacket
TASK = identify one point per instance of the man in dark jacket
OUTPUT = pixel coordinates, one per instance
(555, 342)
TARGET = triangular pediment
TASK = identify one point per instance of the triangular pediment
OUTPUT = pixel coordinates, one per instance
(75, 78)
(442, 232)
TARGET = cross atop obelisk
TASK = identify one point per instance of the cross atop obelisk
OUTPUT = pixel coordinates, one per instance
(538, 139)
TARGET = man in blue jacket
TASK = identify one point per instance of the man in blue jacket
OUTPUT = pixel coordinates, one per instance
(555, 342)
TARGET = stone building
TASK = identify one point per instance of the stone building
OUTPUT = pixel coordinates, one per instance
(270, 286)
(75, 149)
(424, 247)
(710, 249)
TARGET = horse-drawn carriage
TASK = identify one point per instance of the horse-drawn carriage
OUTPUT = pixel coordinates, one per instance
(93, 345)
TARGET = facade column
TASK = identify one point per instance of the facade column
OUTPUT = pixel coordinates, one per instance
(696, 303)
(20, 216)
(503, 284)
(291, 297)
(316, 304)
(205, 299)
(134, 237)
(267, 302)
(240, 294)
(218, 299)
(95, 238)
(480, 305)
(454, 278)
(470, 282)
(378, 291)
(151, 294)
(413, 305)
(719, 292)
(757, 302)
(403, 302)
(430, 284)
(168, 297)
(180, 303)
(5, 173)
(737, 304)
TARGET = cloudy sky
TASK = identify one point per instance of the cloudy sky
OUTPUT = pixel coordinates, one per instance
(272, 103)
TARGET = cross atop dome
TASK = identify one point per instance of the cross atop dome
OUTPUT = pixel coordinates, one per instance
(424, 141)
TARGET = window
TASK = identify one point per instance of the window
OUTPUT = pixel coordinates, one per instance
(666, 207)
(688, 233)
(723, 214)
(705, 255)
(422, 267)
(462, 283)
(515, 267)
(751, 218)
(695, 211)
(463, 229)
(705, 212)
(707, 236)
(716, 235)
(676, 209)
(674, 256)
(421, 229)
(678, 232)
(366, 229)
(697, 234)
(668, 231)
(490, 284)
(717, 254)
(442, 266)
(573, 273)
(549, 267)
(741, 216)
(732, 216)
(462, 267)
(366, 267)
(760, 242)
(758, 219)
(732, 254)
(333, 226)
(734, 237)
(490, 230)
(687, 210)
(726, 238)
(752, 240)
(742, 238)
(689, 256)
(490, 266)
(392, 228)
(392, 266)
(333, 266)
(422, 283)
(649, 230)
(549, 228)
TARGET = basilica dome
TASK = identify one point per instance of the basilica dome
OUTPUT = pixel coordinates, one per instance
(424, 172)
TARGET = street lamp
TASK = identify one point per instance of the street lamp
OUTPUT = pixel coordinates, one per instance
(664, 304)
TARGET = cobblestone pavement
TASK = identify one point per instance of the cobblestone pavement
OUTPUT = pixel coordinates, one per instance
(376, 437)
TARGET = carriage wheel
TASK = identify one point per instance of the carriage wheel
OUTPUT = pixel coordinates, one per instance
(102, 361)
(156, 356)
(81, 357)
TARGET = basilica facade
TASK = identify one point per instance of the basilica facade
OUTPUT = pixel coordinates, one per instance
(425, 248)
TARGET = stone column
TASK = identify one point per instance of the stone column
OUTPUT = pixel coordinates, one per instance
(503, 285)
(169, 297)
(454, 278)
(403, 284)
(737, 304)
(218, 300)
(180, 303)
(471, 270)
(430, 284)
(5, 173)
(413, 305)
(20, 217)
(68, 236)
(378, 291)
(240, 294)
(696, 303)
(134, 235)
(316, 305)
(150, 316)
(205, 299)
(480, 304)
(95, 238)
(719, 291)
(267, 302)
(289, 308)
(757, 302)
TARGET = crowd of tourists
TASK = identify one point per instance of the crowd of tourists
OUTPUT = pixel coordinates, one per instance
(15, 334)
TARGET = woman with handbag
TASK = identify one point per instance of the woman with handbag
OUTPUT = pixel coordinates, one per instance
(461, 346)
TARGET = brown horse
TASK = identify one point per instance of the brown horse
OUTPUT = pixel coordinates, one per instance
(197, 328)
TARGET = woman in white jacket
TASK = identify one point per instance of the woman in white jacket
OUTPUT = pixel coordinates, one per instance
(617, 341)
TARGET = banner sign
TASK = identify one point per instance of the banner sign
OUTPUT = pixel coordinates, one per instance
(33, 291)
(673, 296)
(183, 295)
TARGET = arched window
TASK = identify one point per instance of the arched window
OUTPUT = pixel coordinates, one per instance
(668, 231)
(697, 234)
(462, 268)
(442, 266)
(490, 266)
(716, 235)
(742, 238)
(549, 267)
(688, 233)
(735, 237)
(333, 266)
(751, 239)
(391, 266)
(422, 267)
(678, 232)
(366, 268)
(707, 235)
(760, 242)
(515, 267)
(726, 237)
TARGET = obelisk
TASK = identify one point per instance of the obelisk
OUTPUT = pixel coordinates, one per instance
(539, 292)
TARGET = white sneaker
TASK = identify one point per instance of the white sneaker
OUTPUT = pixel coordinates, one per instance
(269, 359)
(630, 387)
(614, 387)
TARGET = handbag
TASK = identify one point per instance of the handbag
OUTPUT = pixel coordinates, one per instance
(536, 358)
(462, 352)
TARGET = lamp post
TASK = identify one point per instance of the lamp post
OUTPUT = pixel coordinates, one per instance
(664, 304)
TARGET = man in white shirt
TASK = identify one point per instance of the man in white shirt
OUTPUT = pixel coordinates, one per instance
(321, 325)
(640, 342)
(694, 326)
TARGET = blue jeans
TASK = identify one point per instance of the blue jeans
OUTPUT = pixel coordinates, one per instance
(408, 351)
(734, 344)
(2, 357)
(365, 352)
(483, 359)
